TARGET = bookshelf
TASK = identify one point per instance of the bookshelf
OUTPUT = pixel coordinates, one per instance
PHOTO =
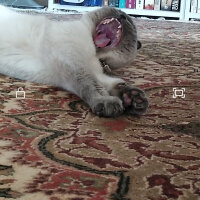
(188, 14)
(183, 14)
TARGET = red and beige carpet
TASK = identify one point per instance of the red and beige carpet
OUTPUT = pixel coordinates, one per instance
(53, 148)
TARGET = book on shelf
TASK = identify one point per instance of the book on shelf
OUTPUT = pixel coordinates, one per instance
(166, 5)
(198, 9)
(149, 4)
(111, 3)
(122, 3)
(89, 3)
(117, 3)
(194, 6)
(175, 5)
(157, 4)
(72, 2)
(130, 4)
(82, 2)
(105, 2)
(139, 4)
(96, 2)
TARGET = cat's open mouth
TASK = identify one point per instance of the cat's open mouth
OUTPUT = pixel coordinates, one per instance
(108, 33)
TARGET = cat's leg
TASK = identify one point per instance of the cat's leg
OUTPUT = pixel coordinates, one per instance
(134, 99)
(86, 86)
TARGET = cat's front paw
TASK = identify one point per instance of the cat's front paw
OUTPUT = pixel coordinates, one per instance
(134, 100)
(108, 106)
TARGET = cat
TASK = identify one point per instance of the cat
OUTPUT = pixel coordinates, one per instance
(69, 54)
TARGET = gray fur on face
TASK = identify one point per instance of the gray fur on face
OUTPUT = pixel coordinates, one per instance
(125, 52)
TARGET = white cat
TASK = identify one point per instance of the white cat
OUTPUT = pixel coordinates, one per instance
(69, 55)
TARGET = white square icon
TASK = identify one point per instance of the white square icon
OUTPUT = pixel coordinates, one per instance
(178, 93)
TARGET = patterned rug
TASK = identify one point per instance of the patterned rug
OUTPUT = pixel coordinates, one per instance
(53, 148)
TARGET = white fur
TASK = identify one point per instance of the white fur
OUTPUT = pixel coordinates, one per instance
(37, 49)
(62, 53)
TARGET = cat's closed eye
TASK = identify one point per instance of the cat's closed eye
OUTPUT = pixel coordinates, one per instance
(123, 17)
(139, 44)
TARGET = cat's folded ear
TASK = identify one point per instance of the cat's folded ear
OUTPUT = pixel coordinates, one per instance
(139, 44)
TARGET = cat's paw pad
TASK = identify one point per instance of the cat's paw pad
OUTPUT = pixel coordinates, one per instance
(135, 101)
(108, 107)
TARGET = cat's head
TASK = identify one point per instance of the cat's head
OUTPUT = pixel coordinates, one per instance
(115, 36)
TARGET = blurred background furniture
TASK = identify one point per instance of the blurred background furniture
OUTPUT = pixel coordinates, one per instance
(38, 4)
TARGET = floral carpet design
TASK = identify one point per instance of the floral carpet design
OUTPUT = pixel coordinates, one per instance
(53, 148)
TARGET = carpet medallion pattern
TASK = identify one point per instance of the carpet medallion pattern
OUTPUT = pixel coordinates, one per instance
(53, 148)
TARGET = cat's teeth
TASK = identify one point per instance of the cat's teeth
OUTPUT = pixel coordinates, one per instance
(107, 21)
(118, 34)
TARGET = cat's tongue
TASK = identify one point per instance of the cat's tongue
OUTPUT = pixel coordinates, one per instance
(101, 40)
(108, 33)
